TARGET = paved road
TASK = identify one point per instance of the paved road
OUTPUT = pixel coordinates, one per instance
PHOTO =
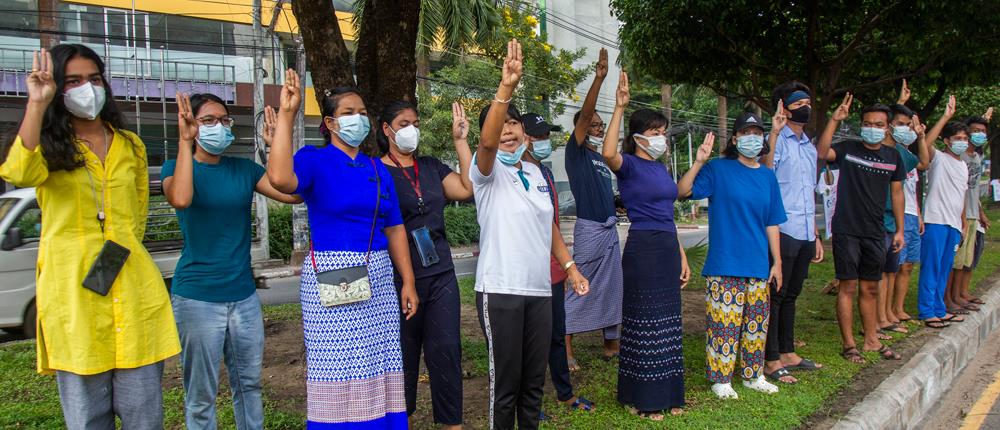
(286, 290)
(972, 401)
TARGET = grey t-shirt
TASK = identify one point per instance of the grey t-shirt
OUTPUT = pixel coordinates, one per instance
(972, 203)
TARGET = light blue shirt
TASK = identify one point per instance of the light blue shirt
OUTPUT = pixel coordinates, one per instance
(795, 168)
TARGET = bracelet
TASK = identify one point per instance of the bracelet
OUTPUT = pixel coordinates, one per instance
(503, 101)
(568, 264)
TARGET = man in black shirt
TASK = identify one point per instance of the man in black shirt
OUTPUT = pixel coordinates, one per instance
(868, 172)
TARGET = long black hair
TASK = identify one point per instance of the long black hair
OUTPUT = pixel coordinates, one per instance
(199, 100)
(641, 121)
(58, 141)
(388, 115)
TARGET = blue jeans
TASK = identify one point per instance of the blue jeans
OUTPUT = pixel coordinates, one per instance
(210, 332)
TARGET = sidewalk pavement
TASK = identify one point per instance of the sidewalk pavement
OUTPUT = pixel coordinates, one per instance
(903, 399)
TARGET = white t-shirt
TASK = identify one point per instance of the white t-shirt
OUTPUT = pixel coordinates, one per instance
(910, 192)
(515, 230)
(947, 181)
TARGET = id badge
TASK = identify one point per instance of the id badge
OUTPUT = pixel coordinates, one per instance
(425, 247)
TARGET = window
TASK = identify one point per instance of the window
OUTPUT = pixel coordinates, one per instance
(18, 18)
(81, 23)
(30, 223)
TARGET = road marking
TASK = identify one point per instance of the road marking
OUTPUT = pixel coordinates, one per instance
(981, 409)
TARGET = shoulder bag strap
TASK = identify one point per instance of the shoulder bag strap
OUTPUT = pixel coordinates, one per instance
(378, 199)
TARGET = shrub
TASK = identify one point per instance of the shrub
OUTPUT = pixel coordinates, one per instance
(460, 224)
(279, 218)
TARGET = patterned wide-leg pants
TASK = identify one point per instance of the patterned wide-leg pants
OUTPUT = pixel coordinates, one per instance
(737, 316)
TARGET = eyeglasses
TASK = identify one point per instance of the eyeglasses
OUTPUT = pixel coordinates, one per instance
(211, 121)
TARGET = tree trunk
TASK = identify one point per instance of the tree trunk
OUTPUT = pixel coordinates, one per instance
(932, 103)
(386, 57)
(49, 28)
(723, 123)
(423, 70)
(327, 54)
(666, 99)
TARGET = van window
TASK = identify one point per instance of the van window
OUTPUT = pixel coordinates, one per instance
(30, 223)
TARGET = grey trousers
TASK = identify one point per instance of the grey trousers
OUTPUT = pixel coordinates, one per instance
(91, 402)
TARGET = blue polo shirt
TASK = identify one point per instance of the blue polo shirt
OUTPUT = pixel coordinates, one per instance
(340, 194)
(795, 169)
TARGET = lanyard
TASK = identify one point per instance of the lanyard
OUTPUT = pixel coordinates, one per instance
(100, 203)
(414, 180)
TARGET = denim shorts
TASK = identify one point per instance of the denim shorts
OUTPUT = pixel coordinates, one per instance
(911, 232)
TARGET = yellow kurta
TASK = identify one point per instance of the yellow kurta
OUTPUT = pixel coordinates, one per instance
(80, 331)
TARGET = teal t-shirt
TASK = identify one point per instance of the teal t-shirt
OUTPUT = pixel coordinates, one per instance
(909, 162)
(215, 261)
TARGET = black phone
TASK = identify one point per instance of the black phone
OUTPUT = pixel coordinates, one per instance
(106, 267)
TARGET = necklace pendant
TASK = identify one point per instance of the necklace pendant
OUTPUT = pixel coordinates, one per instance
(100, 216)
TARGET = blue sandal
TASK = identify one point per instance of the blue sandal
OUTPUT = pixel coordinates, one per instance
(582, 404)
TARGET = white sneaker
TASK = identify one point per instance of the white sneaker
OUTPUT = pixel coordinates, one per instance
(725, 391)
(761, 384)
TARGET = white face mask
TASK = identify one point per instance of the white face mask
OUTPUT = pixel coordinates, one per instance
(655, 145)
(407, 139)
(598, 142)
(85, 101)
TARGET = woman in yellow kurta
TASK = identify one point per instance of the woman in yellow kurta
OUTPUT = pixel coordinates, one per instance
(91, 180)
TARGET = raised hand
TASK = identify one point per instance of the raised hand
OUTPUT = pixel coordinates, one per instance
(459, 123)
(705, 150)
(291, 93)
(187, 125)
(512, 65)
(601, 69)
(270, 123)
(949, 109)
(40, 83)
(844, 109)
(904, 94)
(918, 126)
(779, 119)
(989, 114)
(622, 93)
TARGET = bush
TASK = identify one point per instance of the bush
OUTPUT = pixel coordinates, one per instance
(279, 218)
(460, 224)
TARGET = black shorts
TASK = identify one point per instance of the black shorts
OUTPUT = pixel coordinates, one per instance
(856, 257)
(891, 264)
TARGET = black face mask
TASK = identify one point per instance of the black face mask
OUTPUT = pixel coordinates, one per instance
(800, 114)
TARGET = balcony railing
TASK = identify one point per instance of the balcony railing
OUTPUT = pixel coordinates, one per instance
(131, 79)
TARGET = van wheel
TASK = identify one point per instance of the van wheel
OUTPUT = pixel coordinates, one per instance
(30, 326)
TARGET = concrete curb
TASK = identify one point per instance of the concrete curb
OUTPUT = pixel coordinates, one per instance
(903, 400)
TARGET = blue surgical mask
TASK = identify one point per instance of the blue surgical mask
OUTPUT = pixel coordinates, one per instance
(959, 146)
(511, 158)
(872, 135)
(978, 138)
(214, 139)
(750, 145)
(541, 149)
(904, 134)
(353, 129)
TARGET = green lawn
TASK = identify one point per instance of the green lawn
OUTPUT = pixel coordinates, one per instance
(31, 400)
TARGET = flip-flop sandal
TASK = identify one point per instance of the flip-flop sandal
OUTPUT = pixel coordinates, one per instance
(572, 365)
(804, 364)
(905, 320)
(953, 319)
(971, 307)
(936, 324)
(582, 404)
(778, 374)
(888, 354)
(894, 328)
(958, 311)
(977, 301)
(881, 335)
(651, 415)
(853, 355)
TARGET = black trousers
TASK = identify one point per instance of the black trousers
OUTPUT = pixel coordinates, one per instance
(518, 332)
(435, 330)
(558, 366)
(795, 257)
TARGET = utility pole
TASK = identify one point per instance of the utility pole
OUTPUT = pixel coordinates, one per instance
(258, 110)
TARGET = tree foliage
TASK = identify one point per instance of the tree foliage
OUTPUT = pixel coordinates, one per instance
(743, 48)
(549, 80)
